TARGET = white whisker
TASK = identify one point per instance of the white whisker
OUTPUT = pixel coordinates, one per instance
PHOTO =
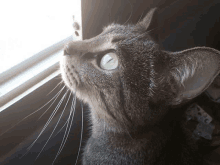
(45, 126)
(67, 129)
(131, 12)
(55, 87)
(62, 127)
(54, 127)
(81, 134)
(47, 108)
(140, 17)
(34, 111)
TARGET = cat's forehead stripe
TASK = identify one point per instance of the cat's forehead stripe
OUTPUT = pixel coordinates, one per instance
(108, 38)
(102, 43)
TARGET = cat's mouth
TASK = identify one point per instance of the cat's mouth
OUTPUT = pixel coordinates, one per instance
(69, 74)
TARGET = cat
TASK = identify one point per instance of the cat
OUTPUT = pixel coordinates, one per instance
(137, 94)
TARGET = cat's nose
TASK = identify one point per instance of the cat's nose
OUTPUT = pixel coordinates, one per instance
(73, 48)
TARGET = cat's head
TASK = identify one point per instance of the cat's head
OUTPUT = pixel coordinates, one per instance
(127, 80)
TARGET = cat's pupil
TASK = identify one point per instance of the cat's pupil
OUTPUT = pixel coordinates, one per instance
(109, 61)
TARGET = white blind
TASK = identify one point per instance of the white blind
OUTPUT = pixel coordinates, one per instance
(27, 27)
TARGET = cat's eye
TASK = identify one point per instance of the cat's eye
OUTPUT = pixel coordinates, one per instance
(109, 61)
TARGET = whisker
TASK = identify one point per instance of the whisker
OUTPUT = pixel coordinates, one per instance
(140, 17)
(55, 87)
(131, 12)
(46, 125)
(132, 38)
(47, 109)
(67, 129)
(81, 134)
(154, 29)
(62, 127)
(142, 34)
(34, 111)
(55, 126)
(73, 112)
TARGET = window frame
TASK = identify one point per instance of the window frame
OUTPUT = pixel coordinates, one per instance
(19, 106)
(24, 87)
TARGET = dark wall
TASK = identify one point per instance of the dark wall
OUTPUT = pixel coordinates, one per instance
(97, 14)
(182, 23)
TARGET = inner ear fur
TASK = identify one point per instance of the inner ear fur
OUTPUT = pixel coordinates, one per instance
(193, 70)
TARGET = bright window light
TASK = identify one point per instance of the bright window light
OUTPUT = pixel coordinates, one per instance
(27, 27)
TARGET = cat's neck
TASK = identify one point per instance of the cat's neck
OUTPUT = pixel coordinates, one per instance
(101, 126)
(151, 140)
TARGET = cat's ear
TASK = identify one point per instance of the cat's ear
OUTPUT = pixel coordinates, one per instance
(150, 23)
(150, 20)
(193, 70)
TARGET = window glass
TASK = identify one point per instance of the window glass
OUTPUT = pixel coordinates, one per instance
(27, 27)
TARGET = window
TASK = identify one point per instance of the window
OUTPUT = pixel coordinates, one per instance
(33, 34)
(27, 27)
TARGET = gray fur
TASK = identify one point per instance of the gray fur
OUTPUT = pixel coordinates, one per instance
(134, 113)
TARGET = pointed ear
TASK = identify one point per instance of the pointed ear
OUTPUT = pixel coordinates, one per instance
(150, 23)
(194, 70)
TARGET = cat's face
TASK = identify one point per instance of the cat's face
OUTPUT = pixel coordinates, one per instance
(123, 74)
(113, 72)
